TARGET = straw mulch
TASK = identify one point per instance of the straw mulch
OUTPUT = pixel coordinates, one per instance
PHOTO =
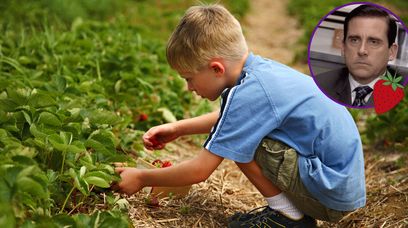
(209, 204)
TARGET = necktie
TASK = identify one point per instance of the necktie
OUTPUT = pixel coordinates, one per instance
(361, 93)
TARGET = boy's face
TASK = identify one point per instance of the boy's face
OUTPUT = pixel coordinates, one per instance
(207, 83)
(366, 50)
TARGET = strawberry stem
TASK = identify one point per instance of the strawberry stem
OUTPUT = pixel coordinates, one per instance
(392, 80)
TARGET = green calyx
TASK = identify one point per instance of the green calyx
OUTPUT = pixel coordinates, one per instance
(394, 81)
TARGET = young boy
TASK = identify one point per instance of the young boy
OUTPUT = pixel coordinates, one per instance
(301, 150)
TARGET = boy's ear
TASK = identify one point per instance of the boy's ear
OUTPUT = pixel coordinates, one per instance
(217, 67)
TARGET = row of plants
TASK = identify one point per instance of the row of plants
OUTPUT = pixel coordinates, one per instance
(80, 82)
(71, 103)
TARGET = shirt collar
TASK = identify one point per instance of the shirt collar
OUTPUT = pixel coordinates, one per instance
(250, 58)
(354, 84)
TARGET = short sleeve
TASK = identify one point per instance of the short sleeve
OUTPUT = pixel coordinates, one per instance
(247, 115)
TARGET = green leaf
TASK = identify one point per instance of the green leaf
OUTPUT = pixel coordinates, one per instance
(18, 95)
(63, 220)
(79, 183)
(57, 142)
(394, 86)
(398, 79)
(6, 192)
(387, 83)
(76, 147)
(49, 119)
(8, 105)
(97, 181)
(97, 146)
(100, 174)
(41, 100)
(66, 137)
(24, 160)
(103, 117)
(82, 171)
(29, 185)
(37, 133)
(117, 86)
(7, 217)
(60, 83)
(167, 115)
(27, 117)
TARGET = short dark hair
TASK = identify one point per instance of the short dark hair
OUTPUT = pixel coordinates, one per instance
(372, 11)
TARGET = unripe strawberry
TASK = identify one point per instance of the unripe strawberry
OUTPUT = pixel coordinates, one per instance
(158, 163)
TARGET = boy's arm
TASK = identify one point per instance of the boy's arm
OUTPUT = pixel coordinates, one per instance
(157, 137)
(197, 125)
(188, 172)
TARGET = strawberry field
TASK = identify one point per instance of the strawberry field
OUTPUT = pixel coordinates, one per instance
(80, 82)
(75, 96)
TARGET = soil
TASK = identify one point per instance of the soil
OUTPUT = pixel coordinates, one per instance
(272, 33)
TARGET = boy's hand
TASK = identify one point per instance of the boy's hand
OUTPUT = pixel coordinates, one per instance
(130, 182)
(157, 137)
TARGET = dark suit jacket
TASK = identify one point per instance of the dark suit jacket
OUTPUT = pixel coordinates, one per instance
(336, 85)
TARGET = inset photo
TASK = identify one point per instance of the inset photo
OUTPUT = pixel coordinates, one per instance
(352, 48)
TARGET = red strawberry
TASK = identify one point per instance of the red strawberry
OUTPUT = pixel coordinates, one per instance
(161, 164)
(154, 141)
(387, 93)
(143, 117)
(166, 164)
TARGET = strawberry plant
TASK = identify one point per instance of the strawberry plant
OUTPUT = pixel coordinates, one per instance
(76, 95)
(390, 129)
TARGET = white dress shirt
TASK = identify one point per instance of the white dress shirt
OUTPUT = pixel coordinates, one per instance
(354, 84)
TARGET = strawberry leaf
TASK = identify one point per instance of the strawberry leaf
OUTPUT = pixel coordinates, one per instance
(389, 76)
(394, 86)
(387, 83)
(398, 79)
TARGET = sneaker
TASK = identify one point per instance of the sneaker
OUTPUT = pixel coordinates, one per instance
(269, 218)
(239, 216)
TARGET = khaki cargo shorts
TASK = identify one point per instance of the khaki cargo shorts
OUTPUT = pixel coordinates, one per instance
(279, 164)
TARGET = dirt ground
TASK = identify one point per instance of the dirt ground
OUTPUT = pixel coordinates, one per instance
(271, 33)
(210, 203)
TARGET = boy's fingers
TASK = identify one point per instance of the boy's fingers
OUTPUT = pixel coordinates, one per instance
(119, 169)
(115, 186)
(120, 164)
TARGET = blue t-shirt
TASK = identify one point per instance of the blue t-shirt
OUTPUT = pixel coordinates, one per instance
(272, 100)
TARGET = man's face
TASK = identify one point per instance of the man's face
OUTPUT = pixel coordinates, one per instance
(366, 49)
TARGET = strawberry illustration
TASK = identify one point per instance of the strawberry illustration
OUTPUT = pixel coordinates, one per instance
(387, 93)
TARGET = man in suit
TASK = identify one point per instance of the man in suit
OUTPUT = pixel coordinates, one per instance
(368, 45)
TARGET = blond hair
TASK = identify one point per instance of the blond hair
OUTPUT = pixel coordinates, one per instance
(205, 32)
